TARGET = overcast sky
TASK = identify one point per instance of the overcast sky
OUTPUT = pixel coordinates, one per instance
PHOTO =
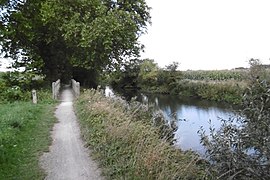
(3, 64)
(208, 34)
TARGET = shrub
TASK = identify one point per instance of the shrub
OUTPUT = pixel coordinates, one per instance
(240, 149)
(15, 86)
(228, 91)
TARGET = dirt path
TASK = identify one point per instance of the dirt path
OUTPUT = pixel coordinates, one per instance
(68, 158)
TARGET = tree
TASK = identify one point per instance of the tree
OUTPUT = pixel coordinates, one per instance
(126, 76)
(29, 42)
(172, 67)
(148, 72)
(64, 38)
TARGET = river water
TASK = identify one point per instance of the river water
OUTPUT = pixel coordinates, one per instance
(190, 114)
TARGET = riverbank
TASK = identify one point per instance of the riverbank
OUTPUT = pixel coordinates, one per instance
(219, 91)
(219, 85)
(127, 145)
(24, 135)
(215, 85)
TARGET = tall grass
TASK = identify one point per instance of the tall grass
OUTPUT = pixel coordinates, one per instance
(128, 146)
(24, 135)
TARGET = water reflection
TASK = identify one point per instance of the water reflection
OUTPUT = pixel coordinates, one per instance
(190, 114)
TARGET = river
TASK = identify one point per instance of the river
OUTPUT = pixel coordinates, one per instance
(190, 114)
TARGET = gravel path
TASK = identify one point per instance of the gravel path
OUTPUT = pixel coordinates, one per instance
(68, 159)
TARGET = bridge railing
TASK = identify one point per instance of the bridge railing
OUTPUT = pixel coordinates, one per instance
(76, 87)
(55, 89)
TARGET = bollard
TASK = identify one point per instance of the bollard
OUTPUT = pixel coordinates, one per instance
(78, 89)
(53, 90)
(75, 87)
(34, 96)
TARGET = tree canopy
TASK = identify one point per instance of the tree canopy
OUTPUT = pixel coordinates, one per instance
(65, 38)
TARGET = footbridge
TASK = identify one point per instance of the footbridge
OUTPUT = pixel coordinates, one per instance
(56, 86)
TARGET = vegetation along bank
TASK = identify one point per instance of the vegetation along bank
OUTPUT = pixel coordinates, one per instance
(130, 144)
(97, 37)
(216, 85)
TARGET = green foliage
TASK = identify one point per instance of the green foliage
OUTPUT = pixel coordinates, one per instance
(14, 93)
(16, 86)
(172, 67)
(135, 74)
(240, 149)
(146, 75)
(57, 37)
(224, 86)
(211, 85)
(172, 83)
(127, 145)
(25, 80)
(216, 75)
(24, 136)
(126, 76)
(148, 72)
(226, 92)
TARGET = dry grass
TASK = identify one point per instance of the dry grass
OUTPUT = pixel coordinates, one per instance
(128, 147)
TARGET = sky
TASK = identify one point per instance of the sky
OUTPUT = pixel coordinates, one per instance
(208, 34)
(4, 63)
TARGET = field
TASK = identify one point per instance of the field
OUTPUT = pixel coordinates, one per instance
(223, 85)
(24, 136)
(216, 75)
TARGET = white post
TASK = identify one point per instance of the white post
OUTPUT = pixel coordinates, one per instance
(53, 90)
(78, 88)
(34, 95)
(75, 87)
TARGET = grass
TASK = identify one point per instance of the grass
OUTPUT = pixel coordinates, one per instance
(24, 136)
(129, 147)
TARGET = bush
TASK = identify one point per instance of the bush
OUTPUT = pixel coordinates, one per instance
(240, 149)
(14, 94)
(228, 91)
(15, 86)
